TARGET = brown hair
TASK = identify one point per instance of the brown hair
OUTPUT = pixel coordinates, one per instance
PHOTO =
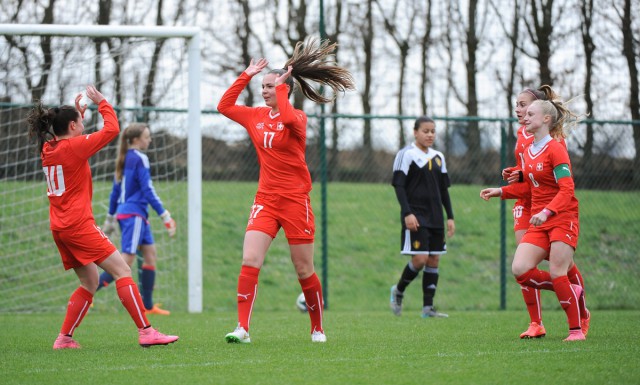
(134, 130)
(544, 92)
(311, 61)
(47, 123)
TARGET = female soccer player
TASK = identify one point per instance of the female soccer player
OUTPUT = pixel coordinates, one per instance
(65, 152)
(278, 133)
(131, 195)
(522, 211)
(554, 226)
(422, 185)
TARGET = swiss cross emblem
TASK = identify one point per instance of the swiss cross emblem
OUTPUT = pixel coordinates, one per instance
(539, 167)
(260, 126)
(280, 126)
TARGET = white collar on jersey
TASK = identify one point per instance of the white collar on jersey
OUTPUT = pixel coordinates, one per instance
(536, 147)
(414, 145)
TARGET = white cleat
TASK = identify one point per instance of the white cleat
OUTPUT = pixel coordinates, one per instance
(238, 336)
(318, 337)
(395, 302)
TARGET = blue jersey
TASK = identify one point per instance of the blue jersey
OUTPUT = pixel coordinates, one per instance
(135, 192)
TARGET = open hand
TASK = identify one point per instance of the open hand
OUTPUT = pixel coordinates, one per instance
(81, 108)
(93, 94)
(257, 67)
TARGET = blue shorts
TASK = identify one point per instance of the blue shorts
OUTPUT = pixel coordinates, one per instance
(135, 232)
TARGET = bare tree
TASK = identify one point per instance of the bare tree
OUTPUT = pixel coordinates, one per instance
(334, 35)
(586, 14)
(286, 36)
(508, 82)
(37, 87)
(361, 17)
(540, 28)
(630, 51)
(469, 40)
(425, 45)
(391, 24)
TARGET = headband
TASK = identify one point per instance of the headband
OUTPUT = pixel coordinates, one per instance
(532, 93)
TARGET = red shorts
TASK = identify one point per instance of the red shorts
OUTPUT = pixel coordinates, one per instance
(560, 228)
(521, 215)
(82, 245)
(292, 212)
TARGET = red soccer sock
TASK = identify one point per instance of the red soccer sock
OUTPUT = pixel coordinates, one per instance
(537, 279)
(576, 278)
(247, 292)
(130, 297)
(568, 300)
(77, 308)
(532, 300)
(312, 290)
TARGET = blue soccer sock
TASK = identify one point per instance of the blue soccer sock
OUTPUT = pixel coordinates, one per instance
(104, 280)
(147, 280)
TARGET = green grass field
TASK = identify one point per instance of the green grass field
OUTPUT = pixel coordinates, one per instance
(363, 347)
(366, 344)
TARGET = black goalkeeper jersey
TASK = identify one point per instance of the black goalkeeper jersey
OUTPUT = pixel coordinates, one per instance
(422, 185)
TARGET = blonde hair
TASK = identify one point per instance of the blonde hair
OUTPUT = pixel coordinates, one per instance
(562, 119)
(134, 130)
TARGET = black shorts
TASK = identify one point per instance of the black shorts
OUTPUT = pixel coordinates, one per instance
(424, 241)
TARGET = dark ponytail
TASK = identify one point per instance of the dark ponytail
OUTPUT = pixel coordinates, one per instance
(47, 123)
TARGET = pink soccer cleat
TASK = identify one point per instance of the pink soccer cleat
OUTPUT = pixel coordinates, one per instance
(535, 330)
(575, 335)
(150, 336)
(65, 342)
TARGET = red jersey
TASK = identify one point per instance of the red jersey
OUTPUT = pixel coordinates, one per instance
(548, 178)
(524, 141)
(65, 164)
(279, 140)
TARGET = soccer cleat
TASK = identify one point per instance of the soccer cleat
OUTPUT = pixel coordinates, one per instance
(157, 310)
(575, 335)
(150, 336)
(396, 300)
(433, 313)
(535, 330)
(65, 342)
(584, 323)
(318, 337)
(238, 336)
(578, 289)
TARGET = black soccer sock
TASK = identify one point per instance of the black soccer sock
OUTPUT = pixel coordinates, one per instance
(429, 284)
(408, 274)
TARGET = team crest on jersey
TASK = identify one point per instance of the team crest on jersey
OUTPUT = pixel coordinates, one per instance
(416, 244)
(539, 167)
(260, 126)
(280, 126)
